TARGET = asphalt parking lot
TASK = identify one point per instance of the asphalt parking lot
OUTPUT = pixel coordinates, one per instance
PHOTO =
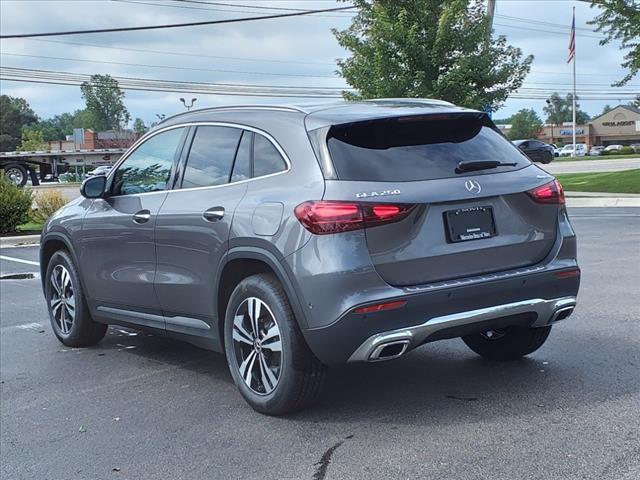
(140, 406)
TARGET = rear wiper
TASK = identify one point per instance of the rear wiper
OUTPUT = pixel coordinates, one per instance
(481, 165)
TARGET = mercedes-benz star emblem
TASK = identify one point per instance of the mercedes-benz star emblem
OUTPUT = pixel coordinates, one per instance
(473, 186)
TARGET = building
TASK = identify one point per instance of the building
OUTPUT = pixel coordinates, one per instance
(619, 126)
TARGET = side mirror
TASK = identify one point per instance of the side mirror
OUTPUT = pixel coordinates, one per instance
(94, 187)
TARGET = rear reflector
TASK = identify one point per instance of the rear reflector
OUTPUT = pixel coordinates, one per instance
(551, 192)
(574, 272)
(379, 307)
(325, 217)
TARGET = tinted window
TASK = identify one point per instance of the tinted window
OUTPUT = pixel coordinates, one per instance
(242, 165)
(417, 148)
(211, 156)
(266, 157)
(148, 168)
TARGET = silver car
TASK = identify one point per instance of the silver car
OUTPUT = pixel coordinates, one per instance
(293, 239)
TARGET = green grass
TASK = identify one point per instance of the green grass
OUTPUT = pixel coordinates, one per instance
(626, 181)
(29, 227)
(598, 157)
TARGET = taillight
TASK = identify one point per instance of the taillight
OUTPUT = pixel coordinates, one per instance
(381, 307)
(551, 192)
(324, 217)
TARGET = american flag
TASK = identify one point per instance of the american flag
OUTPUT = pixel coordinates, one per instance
(572, 40)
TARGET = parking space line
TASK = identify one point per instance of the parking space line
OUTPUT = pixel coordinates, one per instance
(19, 260)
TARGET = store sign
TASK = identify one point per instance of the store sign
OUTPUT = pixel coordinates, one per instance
(625, 123)
(579, 131)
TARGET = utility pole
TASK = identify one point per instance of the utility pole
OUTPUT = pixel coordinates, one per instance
(491, 10)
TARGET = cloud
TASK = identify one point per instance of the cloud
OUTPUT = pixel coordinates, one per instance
(306, 40)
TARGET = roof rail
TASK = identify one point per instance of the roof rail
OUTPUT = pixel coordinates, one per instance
(421, 101)
(285, 108)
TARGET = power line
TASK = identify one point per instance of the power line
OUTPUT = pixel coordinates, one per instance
(181, 54)
(169, 67)
(176, 25)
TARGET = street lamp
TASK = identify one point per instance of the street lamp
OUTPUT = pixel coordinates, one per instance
(549, 104)
(188, 107)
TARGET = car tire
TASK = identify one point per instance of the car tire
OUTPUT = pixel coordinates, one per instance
(547, 158)
(272, 382)
(507, 344)
(68, 310)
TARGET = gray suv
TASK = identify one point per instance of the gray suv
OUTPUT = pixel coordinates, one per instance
(299, 238)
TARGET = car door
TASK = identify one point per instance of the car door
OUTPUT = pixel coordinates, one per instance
(117, 247)
(194, 223)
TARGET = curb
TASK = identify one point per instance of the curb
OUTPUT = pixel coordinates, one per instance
(19, 241)
(602, 202)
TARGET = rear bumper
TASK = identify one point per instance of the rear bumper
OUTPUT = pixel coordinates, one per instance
(546, 312)
(533, 300)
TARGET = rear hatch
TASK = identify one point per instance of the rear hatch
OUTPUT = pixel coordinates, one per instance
(452, 222)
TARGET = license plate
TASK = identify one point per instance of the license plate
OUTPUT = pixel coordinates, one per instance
(473, 223)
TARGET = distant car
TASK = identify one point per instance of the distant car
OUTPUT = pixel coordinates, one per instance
(636, 147)
(613, 148)
(536, 150)
(102, 170)
(595, 151)
(556, 150)
(567, 150)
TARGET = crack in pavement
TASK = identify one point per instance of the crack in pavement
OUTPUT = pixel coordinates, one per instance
(325, 460)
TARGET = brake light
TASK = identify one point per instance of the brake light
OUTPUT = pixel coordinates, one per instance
(574, 272)
(380, 307)
(325, 217)
(551, 192)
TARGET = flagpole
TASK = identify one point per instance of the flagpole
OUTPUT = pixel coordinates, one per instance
(574, 90)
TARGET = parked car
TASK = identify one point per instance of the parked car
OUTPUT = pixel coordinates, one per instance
(556, 150)
(613, 148)
(596, 151)
(101, 170)
(567, 150)
(536, 150)
(296, 238)
(636, 147)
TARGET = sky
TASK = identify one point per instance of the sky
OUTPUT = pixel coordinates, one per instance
(298, 51)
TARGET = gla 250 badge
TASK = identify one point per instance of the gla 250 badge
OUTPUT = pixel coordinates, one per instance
(382, 193)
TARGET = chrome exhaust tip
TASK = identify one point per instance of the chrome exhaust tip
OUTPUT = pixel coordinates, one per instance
(562, 313)
(389, 351)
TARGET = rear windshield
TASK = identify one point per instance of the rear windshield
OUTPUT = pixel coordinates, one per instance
(418, 148)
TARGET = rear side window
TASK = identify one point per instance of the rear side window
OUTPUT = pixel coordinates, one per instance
(266, 157)
(211, 156)
(417, 148)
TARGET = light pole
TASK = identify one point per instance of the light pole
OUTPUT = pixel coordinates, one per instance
(549, 104)
(188, 107)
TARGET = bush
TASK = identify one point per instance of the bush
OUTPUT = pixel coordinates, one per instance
(47, 203)
(605, 152)
(626, 151)
(15, 205)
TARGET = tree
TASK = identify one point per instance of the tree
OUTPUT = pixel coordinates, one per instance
(607, 108)
(15, 114)
(620, 20)
(525, 124)
(429, 48)
(104, 103)
(32, 141)
(139, 127)
(560, 110)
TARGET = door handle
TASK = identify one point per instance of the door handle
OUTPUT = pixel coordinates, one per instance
(213, 214)
(142, 216)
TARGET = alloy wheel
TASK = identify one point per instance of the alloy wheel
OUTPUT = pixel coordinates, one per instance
(257, 345)
(63, 300)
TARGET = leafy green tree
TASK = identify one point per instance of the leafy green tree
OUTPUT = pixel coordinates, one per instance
(32, 140)
(606, 109)
(525, 124)
(620, 20)
(105, 103)
(15, 114)
(560, 110)
(429, 48)
(139, 127)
